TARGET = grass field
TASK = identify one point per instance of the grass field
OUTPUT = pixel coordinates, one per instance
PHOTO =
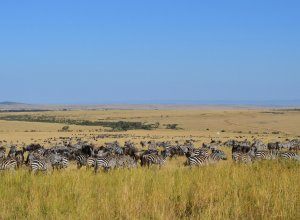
(264, 190)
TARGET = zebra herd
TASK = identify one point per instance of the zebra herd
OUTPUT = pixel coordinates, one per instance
(113, 155)
(246, 152)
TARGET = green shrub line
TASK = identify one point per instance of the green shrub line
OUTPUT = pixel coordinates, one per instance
(114, 125)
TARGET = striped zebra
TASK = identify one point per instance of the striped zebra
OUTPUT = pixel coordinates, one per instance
(63, 163)
(242, 157)
(266, 155)
(201, 160)
(150, 159)
(90, 162)
(202, 151)
(216, 156)
(81, 160)
(54, 159)
(40, 165)
(106, 162)
(289, 155)
(8, 164)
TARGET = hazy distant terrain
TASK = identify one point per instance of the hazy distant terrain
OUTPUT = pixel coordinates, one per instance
(15, 106)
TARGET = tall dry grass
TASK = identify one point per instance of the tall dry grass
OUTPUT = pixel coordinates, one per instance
(264, 190)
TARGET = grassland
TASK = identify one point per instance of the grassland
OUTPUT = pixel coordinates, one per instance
(264, 190)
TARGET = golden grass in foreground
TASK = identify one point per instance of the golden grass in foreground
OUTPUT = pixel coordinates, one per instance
(264, 190)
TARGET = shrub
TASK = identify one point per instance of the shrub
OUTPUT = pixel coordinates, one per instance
(171, 126)
(65, 128)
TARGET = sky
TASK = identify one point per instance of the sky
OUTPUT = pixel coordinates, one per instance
(97, 52)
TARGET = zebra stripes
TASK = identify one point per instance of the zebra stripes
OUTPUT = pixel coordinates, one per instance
(107, 162)
(289, 155)
(150, 159)
(266, 155)
(110, 162)
(39, 165)
(63, 163)
(201, 151)
(91, 162)
(81, 160)
(199, 160)
(241, 157)
(8, 164)
(202, 160)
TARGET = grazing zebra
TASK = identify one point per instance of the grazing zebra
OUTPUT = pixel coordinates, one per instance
(289, 155)
(266, 155)
(196, 160)
(201, 160)
(8, 164)
(107, 162)
(217, 155)
(243, 157)
(81, 160)
(40, 165)
(150, 159)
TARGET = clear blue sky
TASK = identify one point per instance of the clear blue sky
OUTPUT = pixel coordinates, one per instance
(149, 51)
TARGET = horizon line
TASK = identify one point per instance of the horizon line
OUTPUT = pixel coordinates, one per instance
(264, 103)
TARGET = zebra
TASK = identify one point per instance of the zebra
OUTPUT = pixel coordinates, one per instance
(19, 157)
(63, 163)
(150, 159)
(90, 162)
(81, 160)
(196, 160)
(40, 165)
(118, 150)
(12, 151)
(289, 155)
(243, 157)
(259, 145)
(107, 162)
(266, 155)
(8, 164)
(202, 151)
(201, 160)
(217, 155)
(124, 161)
(56, 160)
(212, 146)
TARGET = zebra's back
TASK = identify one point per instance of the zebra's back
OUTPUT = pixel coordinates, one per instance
(8, 164)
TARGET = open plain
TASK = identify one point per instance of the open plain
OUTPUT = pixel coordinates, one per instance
(262, 190)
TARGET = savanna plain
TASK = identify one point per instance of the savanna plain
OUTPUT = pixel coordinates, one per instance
(262, 190)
